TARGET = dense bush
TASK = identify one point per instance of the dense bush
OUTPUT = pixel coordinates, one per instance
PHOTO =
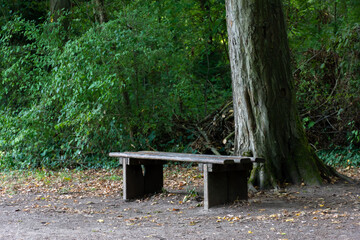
(114, 87)
(325, 42)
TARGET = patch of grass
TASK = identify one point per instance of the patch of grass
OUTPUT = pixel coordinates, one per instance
(192, 193)
(64, 190)
(67, 175)
(113, 178)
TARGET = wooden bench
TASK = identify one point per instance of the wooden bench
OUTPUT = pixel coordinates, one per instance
(225, 177)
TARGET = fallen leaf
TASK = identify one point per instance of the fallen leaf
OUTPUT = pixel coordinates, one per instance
(182, 183)
(335, 222)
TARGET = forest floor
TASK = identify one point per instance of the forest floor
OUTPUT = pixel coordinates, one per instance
(89, 205)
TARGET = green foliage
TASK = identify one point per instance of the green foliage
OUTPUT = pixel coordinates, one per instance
(341, 157)
(324, 39)
(69, 96)
(30, 10)
(354, 135)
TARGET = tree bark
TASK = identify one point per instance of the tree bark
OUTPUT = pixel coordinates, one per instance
(99, 11)
(267, 123)
(56, 6)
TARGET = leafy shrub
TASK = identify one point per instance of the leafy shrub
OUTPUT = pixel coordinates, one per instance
(69, 97)
(325, 48)
(341, 157)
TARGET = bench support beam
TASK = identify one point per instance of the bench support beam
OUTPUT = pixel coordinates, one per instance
(223, 186)
(141, 180)
(225, 177)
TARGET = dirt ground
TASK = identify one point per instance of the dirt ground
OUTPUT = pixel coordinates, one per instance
(79, 206)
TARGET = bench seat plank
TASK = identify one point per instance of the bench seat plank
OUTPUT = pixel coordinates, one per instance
(186, 157)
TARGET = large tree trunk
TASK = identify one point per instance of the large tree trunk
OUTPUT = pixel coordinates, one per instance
(267, 123)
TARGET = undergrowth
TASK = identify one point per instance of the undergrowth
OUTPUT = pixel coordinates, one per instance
(341, 157)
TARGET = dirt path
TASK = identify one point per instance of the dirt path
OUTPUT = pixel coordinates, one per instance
(329, 212)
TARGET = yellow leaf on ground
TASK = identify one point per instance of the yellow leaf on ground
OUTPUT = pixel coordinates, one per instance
(192, 223)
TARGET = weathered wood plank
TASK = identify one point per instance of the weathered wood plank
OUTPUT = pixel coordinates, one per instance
(253, 159)
(225, 185)
(133, 181)
(225, 177)
(186, 157)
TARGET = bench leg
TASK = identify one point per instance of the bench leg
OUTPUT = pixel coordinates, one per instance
(237, 185)
(215, 190)
(225, 186)
(133, 181)
(137, 183)
(153, 178)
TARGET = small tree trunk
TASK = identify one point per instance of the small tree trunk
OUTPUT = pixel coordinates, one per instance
(99, 11)
(267, 123)
(56, 6)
